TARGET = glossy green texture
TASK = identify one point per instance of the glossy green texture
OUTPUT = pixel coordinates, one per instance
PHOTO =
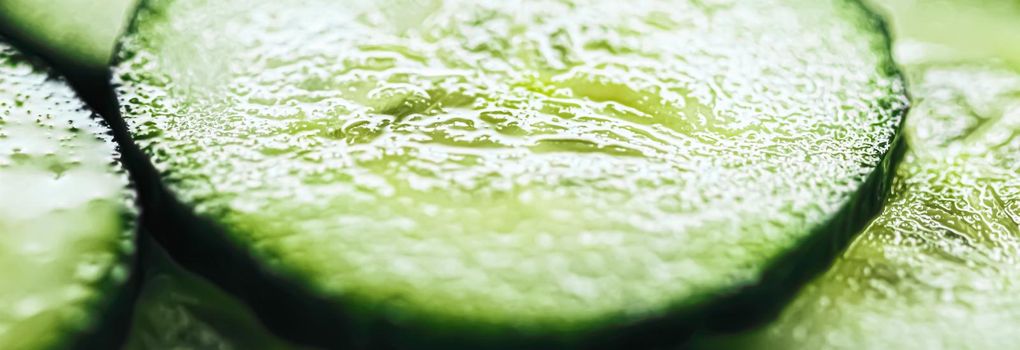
(543, 166)
(63, 213)
(940, 268)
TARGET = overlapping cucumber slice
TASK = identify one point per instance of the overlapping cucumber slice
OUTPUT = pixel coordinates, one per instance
(938, 268)
(65, 217)
(80, 33)
(538, 170)
(179, 310)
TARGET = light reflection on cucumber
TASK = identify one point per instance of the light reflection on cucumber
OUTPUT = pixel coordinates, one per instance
(937, 269)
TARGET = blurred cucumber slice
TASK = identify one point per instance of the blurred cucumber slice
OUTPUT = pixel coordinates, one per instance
(978, 29)
(65, 217)
(502, 170)
(78, 32)
(178, 310)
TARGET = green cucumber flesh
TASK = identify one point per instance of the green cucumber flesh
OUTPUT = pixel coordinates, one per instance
(81, 33)
(65, 216)
(549, 169)
(938, 268)
(179, 310)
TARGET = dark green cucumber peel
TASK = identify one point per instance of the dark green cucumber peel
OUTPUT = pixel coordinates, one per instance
(67, 217)
(301, 311)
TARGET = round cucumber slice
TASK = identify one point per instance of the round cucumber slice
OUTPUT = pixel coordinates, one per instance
(539, 168)
(65, 216)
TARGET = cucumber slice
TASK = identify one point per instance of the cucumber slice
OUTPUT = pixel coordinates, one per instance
(65, 217)
(973, 30)
(77, 32)
(475, 170)
(178, 310)
(937, 269)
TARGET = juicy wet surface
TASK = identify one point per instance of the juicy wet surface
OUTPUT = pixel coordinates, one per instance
(539, 164)
(62, 210)
(938, 269)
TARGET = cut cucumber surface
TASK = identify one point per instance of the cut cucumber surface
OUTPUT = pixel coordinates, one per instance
(79, 32)
(543, 167)
(939, 268)
(65, 216)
